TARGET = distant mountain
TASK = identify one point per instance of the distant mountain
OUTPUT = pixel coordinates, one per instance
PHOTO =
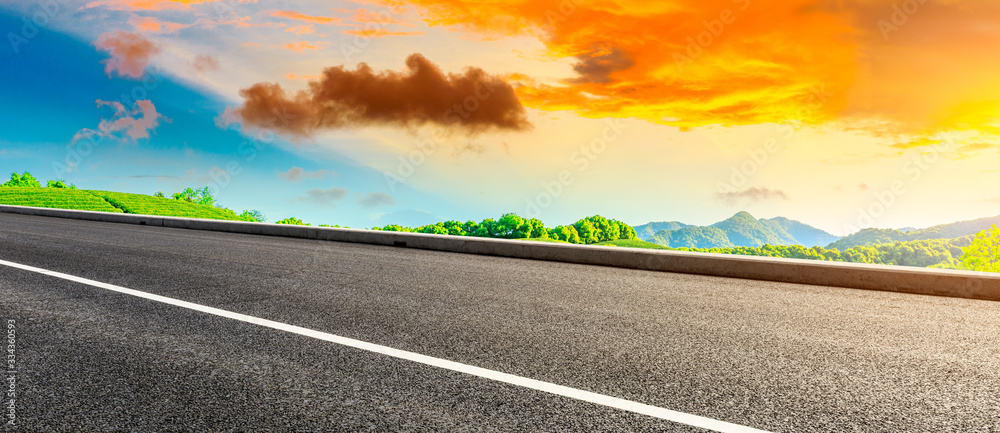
(943, 231)
(805, 234)
(741, 230)
(647, 231)
(692, 237)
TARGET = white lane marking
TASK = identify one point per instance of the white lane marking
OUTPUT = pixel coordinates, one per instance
(565, 391)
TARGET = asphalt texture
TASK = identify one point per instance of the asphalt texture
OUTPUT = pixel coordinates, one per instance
(774, 356)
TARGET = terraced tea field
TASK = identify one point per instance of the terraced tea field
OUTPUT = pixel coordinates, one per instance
(149, 205)
(55, 198)
(105, 201)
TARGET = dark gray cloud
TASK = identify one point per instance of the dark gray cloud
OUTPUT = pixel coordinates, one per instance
(322, 197)
(597, 66)
(753, 194)
(376, 199)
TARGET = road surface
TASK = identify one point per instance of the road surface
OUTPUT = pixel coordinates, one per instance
(771, 356)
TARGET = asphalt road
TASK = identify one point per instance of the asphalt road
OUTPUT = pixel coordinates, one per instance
(773, 356)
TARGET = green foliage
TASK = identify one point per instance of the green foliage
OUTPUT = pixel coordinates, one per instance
(870, 237)
(25, 180)
(253, 215)
(201, 196)
(58, 198)
(983, 254)
(159, 194)
(633, 243)
(938, 253)
(944, 231)
(512, 226)
(693, 237)
(150, 205)
(60, 184)
(292, 221)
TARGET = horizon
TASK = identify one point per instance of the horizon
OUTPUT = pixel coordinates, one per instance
(534, 110)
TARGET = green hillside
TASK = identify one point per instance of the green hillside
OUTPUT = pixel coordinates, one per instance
(647, 231)
(693, 237)
(943, 231)
(59, 198)
(104, 201)
(744, 230)
(805, 234)
(741, 230)
(149, 205)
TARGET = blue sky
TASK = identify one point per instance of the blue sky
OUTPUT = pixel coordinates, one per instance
(814, 114)
(50, 92)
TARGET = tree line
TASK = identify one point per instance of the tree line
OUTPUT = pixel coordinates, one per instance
(940, 253)
(590, 230)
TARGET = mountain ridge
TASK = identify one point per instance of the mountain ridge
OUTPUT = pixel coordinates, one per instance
(741, 229)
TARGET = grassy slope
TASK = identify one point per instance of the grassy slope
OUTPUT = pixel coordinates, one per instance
(149, 205)
(104, 201)
(55, 198)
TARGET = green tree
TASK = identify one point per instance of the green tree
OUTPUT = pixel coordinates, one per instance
(58, 184)
(253, 215)
(25, 180)
(201, 196)
(292, 221)
(984, 252)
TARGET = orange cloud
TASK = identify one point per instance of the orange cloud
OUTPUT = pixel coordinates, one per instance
(302, 30)
(301, 46)
(150, 5)
(365, 16)
(378, 33)
(241, 22)
(910, 66)
(292, 15)
(291, 76)
(152, 25)
(130, 53)
(135, 123)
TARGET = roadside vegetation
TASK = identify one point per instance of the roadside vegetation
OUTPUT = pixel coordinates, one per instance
(25, 190)
(979, 252)
(590, 230)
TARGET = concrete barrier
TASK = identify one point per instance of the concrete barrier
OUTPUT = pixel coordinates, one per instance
(939, 282)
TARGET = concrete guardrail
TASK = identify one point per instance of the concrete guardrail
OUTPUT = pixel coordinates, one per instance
(939, 282)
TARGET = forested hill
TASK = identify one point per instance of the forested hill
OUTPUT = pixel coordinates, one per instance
(943, 231)
(741, 230)
(647, 231)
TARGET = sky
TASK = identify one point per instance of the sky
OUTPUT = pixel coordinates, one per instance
(843, 114)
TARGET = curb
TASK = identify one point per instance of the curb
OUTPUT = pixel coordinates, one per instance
(937, 282)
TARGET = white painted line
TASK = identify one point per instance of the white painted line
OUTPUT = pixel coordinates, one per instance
(565, 391)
